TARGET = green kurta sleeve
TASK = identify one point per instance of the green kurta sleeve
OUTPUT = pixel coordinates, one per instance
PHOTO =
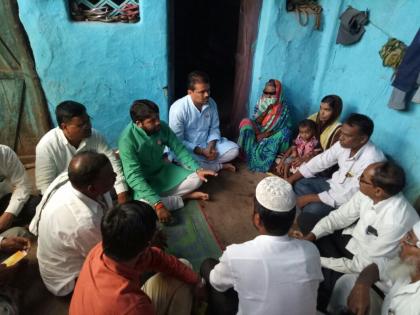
(181, 152)
(134, 173)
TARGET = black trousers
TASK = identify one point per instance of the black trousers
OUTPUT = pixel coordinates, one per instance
(26, 214)
(331, 246)
(219, 303)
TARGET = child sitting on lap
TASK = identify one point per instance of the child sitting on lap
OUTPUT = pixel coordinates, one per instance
(304, 148)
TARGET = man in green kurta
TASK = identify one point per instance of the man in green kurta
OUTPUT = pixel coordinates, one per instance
(162, 184)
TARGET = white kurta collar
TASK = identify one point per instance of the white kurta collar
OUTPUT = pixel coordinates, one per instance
(358, 153)
(191, 104)
(90, 203)
(408, 288)
(272, 238)
(65, 141)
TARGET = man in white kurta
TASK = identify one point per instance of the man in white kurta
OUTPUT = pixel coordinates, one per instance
(68, 220)
(17, 206)
(73, 135)
(195, 121)
(317, 196)
(271, 274)
(375, 219)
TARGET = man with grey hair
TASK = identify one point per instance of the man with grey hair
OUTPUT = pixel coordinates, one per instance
(68, 219)
(271, 274)
(403, 273)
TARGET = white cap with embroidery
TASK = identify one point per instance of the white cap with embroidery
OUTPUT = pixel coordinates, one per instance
(275, 194)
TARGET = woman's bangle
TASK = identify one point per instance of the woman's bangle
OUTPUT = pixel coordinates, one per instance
(159, 205)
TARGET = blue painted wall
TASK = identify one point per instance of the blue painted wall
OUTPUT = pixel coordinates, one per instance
(104, 66)
(107, 66)
(311, 65)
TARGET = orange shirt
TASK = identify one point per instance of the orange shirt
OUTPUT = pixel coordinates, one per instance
(106, 287)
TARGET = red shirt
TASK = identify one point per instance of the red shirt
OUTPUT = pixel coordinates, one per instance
(105, 286)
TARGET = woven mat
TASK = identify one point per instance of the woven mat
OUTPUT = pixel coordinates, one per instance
(192, 237)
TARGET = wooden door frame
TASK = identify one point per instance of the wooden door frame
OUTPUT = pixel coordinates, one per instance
(34, 119)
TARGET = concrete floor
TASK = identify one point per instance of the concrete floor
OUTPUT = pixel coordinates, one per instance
(228, 212)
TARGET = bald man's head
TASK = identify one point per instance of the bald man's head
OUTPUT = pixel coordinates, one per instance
(85, 168)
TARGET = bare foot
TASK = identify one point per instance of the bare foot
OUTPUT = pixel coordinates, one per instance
(295, 234)
(197, 195)
(229, 167)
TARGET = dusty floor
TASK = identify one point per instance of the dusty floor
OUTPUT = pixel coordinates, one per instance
(228, 212)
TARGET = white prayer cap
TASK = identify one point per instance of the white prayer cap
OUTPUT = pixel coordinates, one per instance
(276, 194)
(416, 230)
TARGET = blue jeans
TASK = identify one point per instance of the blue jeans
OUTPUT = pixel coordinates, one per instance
(314, 211)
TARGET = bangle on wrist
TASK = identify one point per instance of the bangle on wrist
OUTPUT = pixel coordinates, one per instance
(159, 205)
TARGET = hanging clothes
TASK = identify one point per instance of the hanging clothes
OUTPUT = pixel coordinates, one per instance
(406, 78)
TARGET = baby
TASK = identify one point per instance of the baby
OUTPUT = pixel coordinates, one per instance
(304, 148)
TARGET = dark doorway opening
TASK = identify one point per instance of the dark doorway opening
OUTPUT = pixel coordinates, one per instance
(204, 35)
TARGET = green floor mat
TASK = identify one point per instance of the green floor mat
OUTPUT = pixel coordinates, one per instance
(191, 237)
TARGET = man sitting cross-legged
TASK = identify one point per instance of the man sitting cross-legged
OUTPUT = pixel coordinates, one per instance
(271, 274)
(383, 216)
(74, 134)
(195, 121)
(109, 282)
(153, 179)
(68, 219)
(317, 196)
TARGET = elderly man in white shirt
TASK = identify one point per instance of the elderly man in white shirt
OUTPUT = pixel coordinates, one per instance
(74, 134)
(317, 196)
(68, 219)
(402, 274)
(374, 220)
(271, 274)
(16, 203)
(195, 121)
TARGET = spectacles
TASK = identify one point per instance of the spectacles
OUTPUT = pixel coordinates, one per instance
(364, 181)
(269, 93)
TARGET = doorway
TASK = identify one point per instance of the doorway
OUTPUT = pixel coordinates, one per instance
(204, 36)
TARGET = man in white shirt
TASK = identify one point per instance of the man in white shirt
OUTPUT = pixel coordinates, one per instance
(17, 206)
(68, 219)
(74, 134)
(317, 196)
(195, 121)
(404, 276)
(383, 217)
(271, 274)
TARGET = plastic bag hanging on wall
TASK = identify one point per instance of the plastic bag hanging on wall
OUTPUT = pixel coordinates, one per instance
(305, 8)
(126, 11)
(392, 53)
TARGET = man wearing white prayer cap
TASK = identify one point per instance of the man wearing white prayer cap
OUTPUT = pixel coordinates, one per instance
(402, 273)
(271, 274)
